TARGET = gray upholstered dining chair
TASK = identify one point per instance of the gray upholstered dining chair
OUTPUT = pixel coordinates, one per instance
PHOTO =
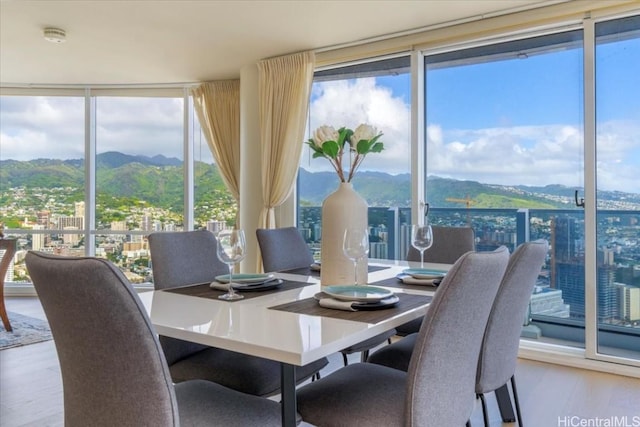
(284, 249)
(438, 388)
(499, 351)
(449, 244)
(113, 370)
(183, 258)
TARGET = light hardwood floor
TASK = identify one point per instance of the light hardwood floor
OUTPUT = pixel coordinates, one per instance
(550, 395)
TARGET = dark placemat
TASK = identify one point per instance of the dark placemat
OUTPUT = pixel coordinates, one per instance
(394, 282)
(203, 290)
(310, 306)
(370, 269)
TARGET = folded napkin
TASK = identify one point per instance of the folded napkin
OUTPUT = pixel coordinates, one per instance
(410, 280)
(219, 286)
(336, 304)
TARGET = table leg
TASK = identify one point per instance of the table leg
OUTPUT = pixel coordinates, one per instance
(504, 404)
(288, 394)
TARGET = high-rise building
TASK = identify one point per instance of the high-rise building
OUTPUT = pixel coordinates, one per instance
(43, 218)
(378, 250)
(629, 302)
(38, 240)
(216, 226)
(146, 224)
(567, 266)
(79, 209)
(71, 239)
(608, 293)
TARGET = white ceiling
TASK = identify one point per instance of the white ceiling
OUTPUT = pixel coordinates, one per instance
(157, 42)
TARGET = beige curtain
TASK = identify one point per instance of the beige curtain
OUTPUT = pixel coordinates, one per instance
(218, 107)
(284, 88)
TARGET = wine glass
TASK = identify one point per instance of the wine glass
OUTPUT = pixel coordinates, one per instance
(355, 247)
(231, 250)
(421, 239)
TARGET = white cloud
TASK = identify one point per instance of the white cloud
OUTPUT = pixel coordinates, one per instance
(349, 103)
(535, 155)
(53, 127)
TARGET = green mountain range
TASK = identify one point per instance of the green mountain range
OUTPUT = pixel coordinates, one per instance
(158, 181)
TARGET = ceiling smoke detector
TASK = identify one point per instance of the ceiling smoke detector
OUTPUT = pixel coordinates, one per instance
(55, 35)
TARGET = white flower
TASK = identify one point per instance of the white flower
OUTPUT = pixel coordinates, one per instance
(364, 131)
(334, 152)
(325, 133)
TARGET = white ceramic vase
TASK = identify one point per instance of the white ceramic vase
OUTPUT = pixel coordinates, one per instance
(342, 209)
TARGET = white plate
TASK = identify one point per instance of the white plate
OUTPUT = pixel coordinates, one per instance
(245, 278)
(357, 293)
(424, 273)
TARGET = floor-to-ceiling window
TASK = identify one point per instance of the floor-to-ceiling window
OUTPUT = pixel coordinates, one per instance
(505, 154)
(617, 111)
(139, 176)
(139, 138)
(42, 174)
(504, 132)
(377, 93)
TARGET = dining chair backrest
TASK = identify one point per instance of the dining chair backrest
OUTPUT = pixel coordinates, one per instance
(449, 244)
(8, 247)
(442, 370)
(283, 249)
(113, 369)
(499, 352)
(180, 258)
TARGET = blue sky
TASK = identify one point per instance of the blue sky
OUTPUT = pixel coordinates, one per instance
(517, 121)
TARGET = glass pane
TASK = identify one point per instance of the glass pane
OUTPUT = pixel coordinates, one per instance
(379, 94)
(504, 156)
(130, 252)
(42, 175)
(618, 163)
(139, 170)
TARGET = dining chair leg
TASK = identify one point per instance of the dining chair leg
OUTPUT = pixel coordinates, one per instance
(515, 400)
(364, 356)
(485, 415)
(344, 359)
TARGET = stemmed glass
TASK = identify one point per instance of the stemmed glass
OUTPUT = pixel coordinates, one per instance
(421, 239)
(231, 250)
(355, 247)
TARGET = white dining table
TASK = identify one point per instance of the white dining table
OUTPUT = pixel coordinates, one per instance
(252, 327)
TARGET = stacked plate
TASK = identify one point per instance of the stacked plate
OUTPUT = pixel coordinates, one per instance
(357, 297)
(421, 276)
(250, 282)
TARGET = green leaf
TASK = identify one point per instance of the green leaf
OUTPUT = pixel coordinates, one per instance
(375, 138)
(377, 147)
(363, 146)
(345, 135)
(330, 149)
